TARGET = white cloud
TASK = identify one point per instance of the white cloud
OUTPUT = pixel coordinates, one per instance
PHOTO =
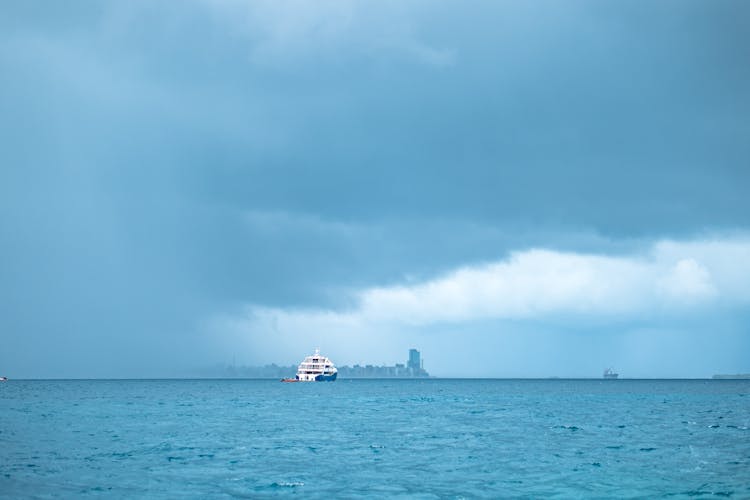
(687, 281)
(671, 277)
(289, 32)
(530, 283)
(726, 263)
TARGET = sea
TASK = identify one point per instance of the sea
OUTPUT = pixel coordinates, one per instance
(386, 438)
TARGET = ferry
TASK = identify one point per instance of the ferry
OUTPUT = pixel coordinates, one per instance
(314, 368)
(610, 373)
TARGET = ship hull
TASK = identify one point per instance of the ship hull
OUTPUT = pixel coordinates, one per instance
(326, 378)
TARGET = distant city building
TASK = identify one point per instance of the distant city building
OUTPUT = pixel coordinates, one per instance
(414, 368)
(232, 371)
(414, 362)
(415, 365)
(735, 376)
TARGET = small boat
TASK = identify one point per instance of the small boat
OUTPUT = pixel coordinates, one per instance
(314, 368)
(3, 379)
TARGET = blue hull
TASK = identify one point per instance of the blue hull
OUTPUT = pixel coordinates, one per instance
(326, 378)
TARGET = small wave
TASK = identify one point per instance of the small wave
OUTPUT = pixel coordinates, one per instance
(572, 428)
(287, 484)
(700, 491)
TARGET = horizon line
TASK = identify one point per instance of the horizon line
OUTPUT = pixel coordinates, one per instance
(718, 377)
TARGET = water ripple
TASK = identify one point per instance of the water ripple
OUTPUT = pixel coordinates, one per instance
(374, 439)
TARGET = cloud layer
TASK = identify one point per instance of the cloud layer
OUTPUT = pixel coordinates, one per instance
(671, 279)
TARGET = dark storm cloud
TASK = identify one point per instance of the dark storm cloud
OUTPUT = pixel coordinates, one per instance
(161, 163)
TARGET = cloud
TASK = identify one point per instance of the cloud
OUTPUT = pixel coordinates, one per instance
(284, 34)
(165, 162)
(534, 303)
(687, 281)
(670, 278)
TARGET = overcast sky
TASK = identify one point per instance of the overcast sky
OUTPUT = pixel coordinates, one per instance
(514, 188)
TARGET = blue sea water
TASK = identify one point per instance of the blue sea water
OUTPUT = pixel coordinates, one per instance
(375, 438)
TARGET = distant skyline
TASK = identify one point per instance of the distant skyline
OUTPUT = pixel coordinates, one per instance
(516, 189)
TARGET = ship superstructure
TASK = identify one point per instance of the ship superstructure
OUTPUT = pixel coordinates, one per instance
(316, 368)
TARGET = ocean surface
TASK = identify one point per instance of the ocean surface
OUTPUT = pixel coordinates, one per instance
(434, 438)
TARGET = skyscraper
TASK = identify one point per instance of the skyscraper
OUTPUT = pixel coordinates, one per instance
(414, 364)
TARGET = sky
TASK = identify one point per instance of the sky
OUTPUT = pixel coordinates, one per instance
(516, 189)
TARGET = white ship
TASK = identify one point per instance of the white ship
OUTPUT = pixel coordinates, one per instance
(315, 368)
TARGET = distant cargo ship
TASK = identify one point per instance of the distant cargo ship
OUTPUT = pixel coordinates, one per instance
(314, 368)
(610, 373)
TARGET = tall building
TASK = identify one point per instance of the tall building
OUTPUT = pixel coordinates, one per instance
(414, 364)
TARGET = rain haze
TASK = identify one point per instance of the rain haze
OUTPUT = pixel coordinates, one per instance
(517, 189)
